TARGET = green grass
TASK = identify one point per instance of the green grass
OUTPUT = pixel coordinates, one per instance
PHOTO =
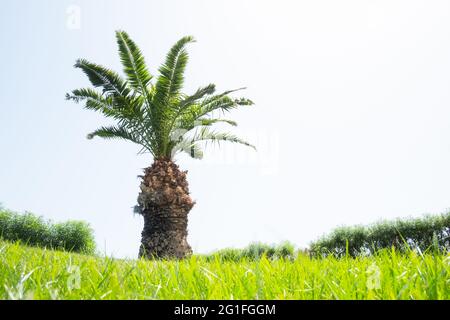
(33, 273)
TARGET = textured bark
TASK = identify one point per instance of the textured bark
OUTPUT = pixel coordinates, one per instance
(164, 202)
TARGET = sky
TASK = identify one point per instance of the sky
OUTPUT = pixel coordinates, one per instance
(351, 116)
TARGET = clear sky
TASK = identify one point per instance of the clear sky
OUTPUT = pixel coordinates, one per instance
(352, 114)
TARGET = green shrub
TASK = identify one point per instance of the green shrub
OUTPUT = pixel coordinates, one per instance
(228, 254)
(429, 232)
(74, 236)
(32, 230)
(285, 250)
(256, 251)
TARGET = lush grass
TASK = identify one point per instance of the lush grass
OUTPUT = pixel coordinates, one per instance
(44, 274)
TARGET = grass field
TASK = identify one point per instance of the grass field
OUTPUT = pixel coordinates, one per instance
(32, 273)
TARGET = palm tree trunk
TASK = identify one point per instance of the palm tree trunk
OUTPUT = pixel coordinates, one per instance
(164, 202)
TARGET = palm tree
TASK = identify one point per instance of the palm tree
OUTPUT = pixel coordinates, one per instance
(163, 121)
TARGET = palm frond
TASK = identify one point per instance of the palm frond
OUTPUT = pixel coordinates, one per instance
(82, 94)
(115, 132)
(219, 103)
(205, 134)
(189, 147)
(199, 94)
(185, 102)
(102, 77)
(223, 103)
(205, 122)
(208, 122)
(171, 77)
(94, 101)
(117, 107)
(133, 63)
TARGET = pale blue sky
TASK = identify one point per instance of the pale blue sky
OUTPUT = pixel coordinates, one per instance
(352, 114)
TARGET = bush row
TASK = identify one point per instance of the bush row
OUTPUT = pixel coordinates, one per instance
(402, 234)
(76, 236)
(255, 251)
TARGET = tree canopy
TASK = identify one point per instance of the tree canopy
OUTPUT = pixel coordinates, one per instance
(153, 112)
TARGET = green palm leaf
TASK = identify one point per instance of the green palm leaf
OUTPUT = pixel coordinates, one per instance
(118, 132)
(205, 134)
(171, 77)
(102, 77)
(133, 63)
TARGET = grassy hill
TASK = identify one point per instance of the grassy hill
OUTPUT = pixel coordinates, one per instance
(33, 273)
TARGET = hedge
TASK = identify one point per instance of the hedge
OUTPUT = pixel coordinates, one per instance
(32, 230)
(429, 232)
(255, 251)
